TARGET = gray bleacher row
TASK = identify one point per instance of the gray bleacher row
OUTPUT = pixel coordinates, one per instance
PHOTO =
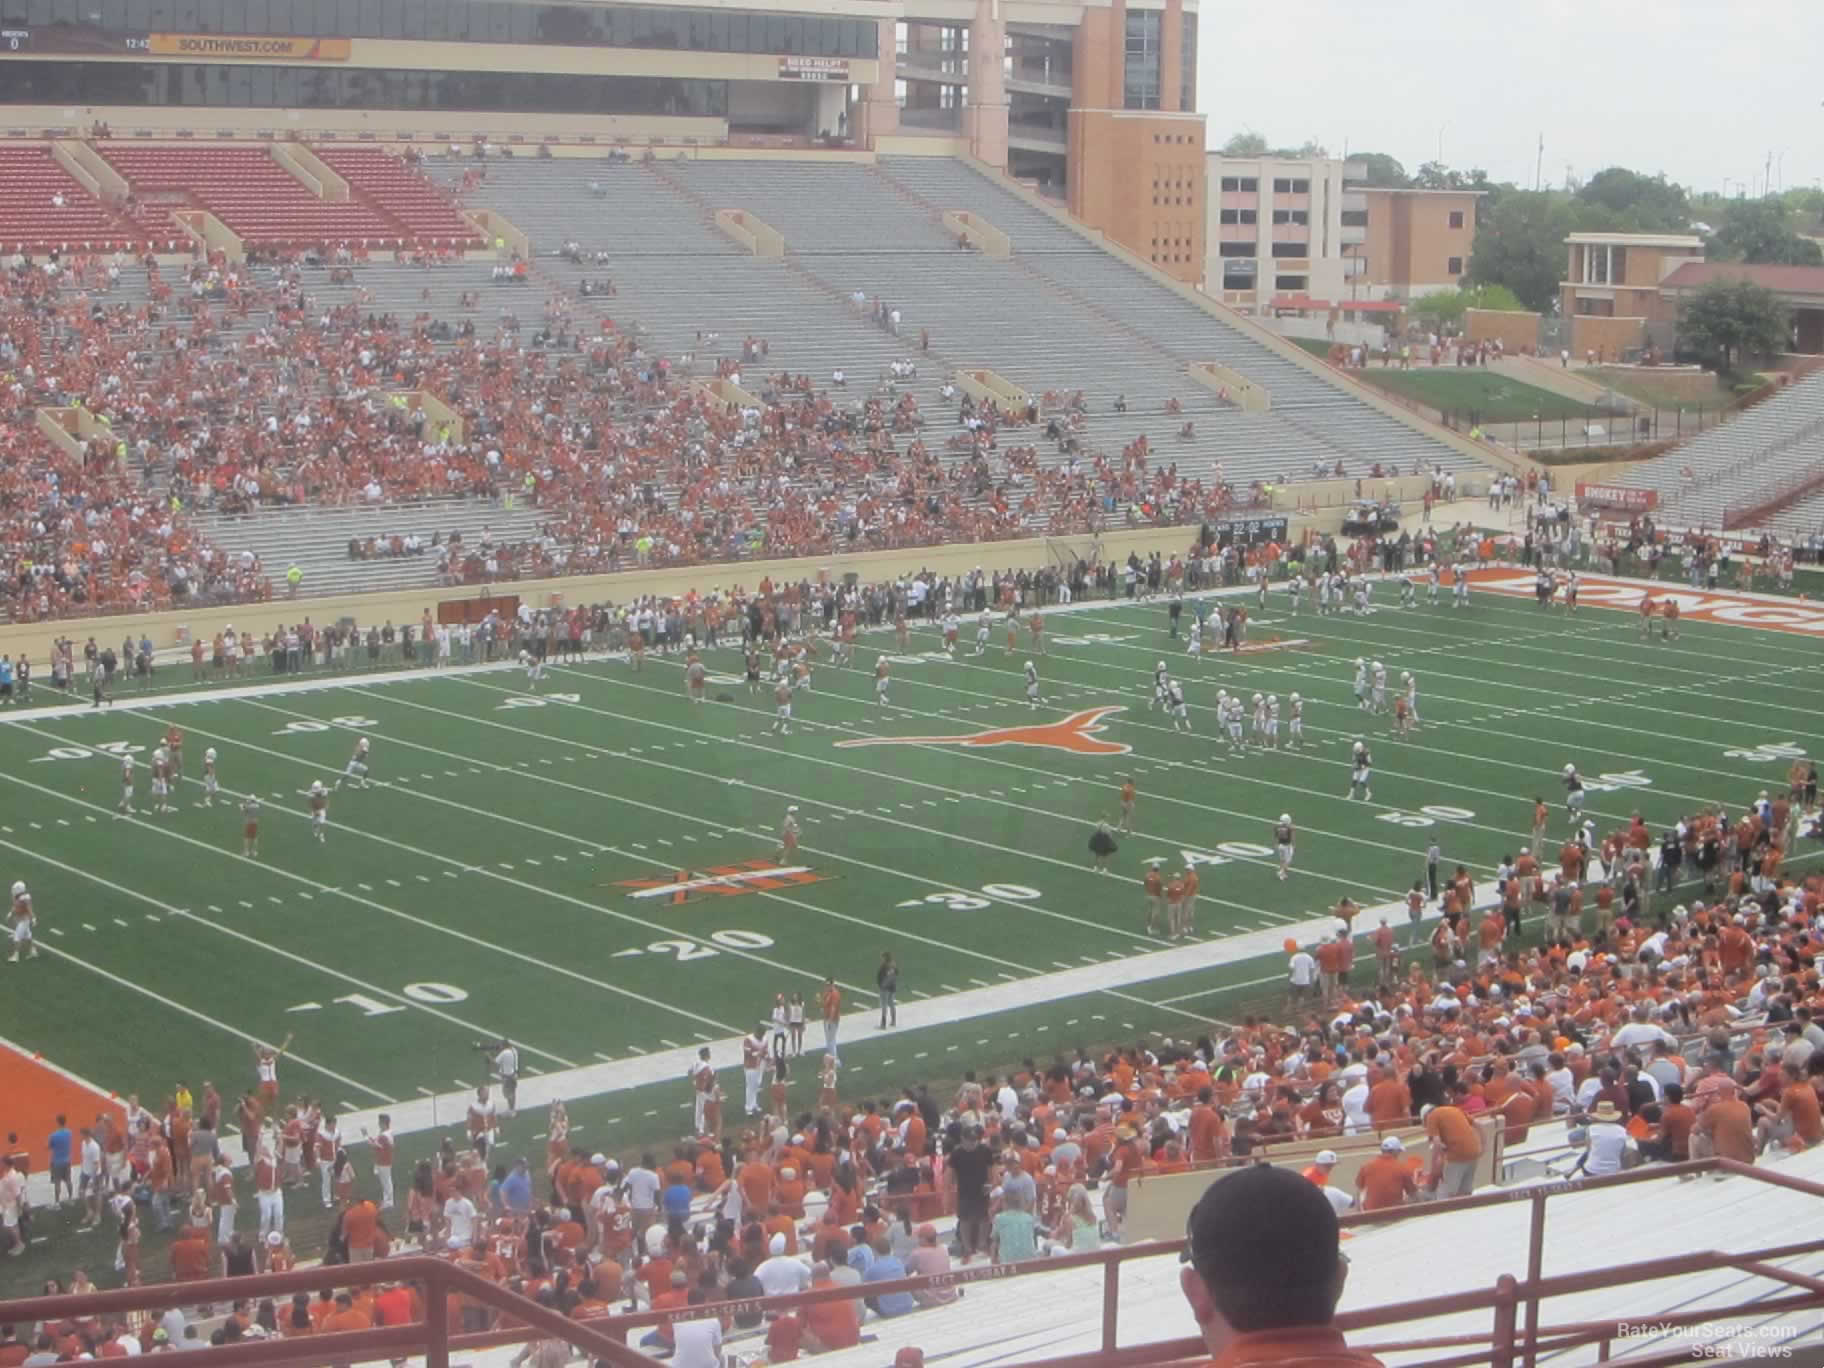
(1754, 454)
(1064, 316)
(317, 539)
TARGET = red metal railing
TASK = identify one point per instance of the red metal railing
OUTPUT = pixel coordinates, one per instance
(1515, 1334)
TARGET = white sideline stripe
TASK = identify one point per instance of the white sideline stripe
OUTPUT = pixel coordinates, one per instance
(671, 1066)
(333, 679)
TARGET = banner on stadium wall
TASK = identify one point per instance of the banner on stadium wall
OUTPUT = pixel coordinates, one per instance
(92, 38)
(215, 45)
(814, 69)
(1617, 496)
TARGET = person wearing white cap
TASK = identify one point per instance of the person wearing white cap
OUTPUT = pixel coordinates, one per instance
(788, 835)
(781, 1273)
(1387, 1179)
(1318, 1170)
(1339, 1197)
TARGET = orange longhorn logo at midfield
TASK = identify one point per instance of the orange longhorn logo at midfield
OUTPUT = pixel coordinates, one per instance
(1079, 733)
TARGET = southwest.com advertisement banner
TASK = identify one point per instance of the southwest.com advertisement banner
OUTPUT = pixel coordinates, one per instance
(201, 45)
(90, 41)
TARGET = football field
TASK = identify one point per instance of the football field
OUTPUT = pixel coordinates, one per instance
(593, 868)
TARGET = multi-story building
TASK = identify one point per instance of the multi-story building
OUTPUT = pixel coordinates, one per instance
(1304, 234)
(1611, 294)
(1092, 99)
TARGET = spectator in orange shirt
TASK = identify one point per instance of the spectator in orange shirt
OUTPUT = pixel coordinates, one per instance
(1385, 1180)
(1798, 1123)
(1264, 1272)
(359, 1220)
(1455, 1145)
(345, 1317)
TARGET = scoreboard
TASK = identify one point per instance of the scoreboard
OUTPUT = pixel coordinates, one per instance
(1245, 531)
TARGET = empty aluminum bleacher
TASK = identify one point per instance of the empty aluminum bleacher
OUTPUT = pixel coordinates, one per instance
(1755, 455)
(317, 539)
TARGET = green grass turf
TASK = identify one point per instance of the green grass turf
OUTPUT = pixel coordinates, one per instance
(1492, 398)
(1661, 393)
(477, 892)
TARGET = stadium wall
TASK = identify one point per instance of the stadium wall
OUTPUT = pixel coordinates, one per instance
(167, 629)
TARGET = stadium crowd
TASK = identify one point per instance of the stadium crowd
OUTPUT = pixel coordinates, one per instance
(237, 388)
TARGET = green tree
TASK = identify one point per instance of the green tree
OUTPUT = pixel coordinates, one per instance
(1727, 321)
(1520, 245)
(1449, 306)
(1309, 149)
(1382, 171)
(1435, 175)
(1621, 200)
(1761, 231)
(1247, 143)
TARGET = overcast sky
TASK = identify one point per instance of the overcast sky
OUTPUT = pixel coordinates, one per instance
(1698, 89)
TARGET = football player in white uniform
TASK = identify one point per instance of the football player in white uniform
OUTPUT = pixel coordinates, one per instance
(1361, 683)
(355, 771)
(1378, 700)
(1409, 592)
(1230, 708)
(535, 669)
(1295, 590)
(1412, 695)
(1174, 698)
(1361, 772)
(319, 810)
(1159, 682)
(24, 920)
(1434, 576)
(1462, 598)
(161, 785)
(211, 785)
(1282, 842)
(1032, 685)
(983, 625)
(1272, 733)
(1259, 736)
(1193, 642)
(126, 784)
(1295, 723)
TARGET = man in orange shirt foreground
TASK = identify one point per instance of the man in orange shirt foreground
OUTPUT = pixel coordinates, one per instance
(1264, 1273)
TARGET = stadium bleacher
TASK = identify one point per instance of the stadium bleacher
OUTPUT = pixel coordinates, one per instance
(671, 300)
(1754, 456)
(401, 192)
(256, 197)
(43, 208)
